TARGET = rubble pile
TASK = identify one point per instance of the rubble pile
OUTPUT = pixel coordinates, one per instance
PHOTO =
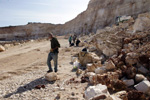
(123, 61)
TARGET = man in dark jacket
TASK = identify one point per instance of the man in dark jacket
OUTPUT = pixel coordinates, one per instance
(53, 53)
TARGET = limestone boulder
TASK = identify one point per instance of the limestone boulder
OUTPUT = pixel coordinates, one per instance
(105, 78)
(2, 48)
(98, 64)
(139, 78)
(51, 76)
(131, 48)
(84, 58)
(90, 67)
(95, 58)
(92, 49)
(88, 74)
(131, 58)
(92, 91)
(109, 51)
(142, 24)
(100, 70)
(109, 65)
(123, 95)
(143, 86)
(7, 46)
(87, 57)
(128, 82)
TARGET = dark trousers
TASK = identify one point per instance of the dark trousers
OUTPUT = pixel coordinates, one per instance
(53, 56)
(69, 43)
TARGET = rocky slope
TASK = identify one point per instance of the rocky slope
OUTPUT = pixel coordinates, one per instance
(124, 65)
(102, 13)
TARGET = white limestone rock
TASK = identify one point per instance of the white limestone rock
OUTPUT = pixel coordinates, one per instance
(87, 57)
(143, 86)
(128, 82)
(131, 58)
(109, 65)
(95, 90)
(88, 74)
(141, 24)
(100, 70)
(122, 95)
(90, 67)
(51, 76)
(2, 48)
(139, 78)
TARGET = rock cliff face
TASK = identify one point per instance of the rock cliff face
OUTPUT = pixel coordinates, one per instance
(99, 14)
(31, 30)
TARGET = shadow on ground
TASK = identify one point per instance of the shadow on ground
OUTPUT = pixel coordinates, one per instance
(30, 86)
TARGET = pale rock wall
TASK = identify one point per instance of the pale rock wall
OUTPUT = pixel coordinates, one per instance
(101, 13)
(32, 30)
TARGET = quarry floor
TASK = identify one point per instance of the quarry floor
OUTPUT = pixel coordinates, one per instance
(25, 65)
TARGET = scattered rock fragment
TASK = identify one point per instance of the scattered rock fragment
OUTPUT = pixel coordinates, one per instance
(38, 87)
(51, 76)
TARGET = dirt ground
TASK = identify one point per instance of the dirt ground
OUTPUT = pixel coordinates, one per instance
(28, 57)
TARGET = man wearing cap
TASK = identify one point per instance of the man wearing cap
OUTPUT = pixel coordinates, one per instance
(53, 53)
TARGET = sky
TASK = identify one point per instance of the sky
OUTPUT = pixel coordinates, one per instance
(20, 12)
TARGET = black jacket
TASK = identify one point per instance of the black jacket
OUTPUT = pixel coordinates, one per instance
(54, 44)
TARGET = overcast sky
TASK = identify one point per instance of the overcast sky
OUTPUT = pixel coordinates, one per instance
(20, 12)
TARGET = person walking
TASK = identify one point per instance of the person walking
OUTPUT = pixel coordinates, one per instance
(70, 40)
(53, 54)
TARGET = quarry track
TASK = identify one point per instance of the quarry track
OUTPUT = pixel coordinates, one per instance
(27, 56)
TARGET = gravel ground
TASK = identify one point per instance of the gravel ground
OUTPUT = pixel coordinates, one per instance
(23, 87)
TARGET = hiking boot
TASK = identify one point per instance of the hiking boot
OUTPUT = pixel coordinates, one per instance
(49, 71)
